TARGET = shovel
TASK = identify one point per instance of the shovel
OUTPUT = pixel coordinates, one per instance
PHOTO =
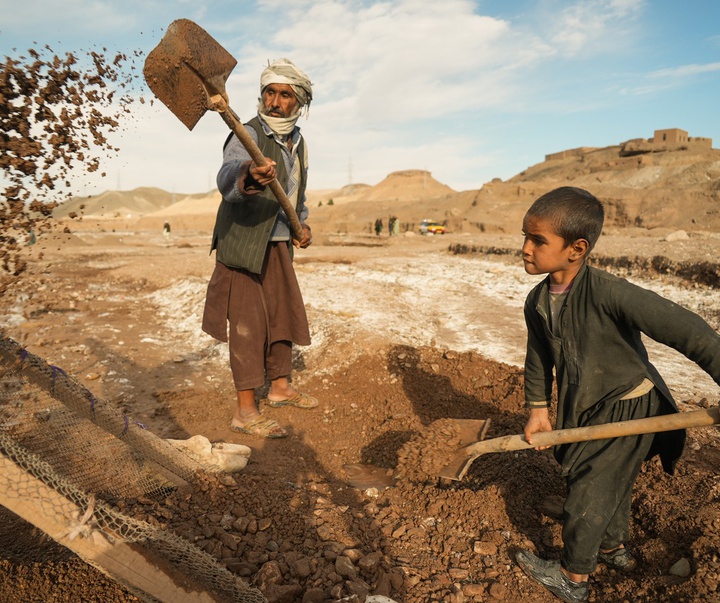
(462, 459)
(187, 71)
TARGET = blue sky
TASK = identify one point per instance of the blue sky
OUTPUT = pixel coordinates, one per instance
(468, 90)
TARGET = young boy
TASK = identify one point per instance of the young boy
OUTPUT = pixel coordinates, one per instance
(585, 324)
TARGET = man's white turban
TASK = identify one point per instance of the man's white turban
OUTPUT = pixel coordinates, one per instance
(284, 71)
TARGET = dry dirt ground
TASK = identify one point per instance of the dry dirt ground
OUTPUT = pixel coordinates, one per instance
(405, 333)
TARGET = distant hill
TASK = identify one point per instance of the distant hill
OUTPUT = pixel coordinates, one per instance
(672, 186)
(137, 202)
(641, 184)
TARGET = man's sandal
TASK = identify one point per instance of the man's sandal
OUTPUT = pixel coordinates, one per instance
(299, 400)
(261, 426)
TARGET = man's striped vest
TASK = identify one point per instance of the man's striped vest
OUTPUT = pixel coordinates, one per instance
(242, 229)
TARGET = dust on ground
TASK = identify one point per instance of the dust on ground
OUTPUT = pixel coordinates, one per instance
(405, 334)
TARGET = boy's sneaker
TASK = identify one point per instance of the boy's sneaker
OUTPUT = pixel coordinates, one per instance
(619, 559)
(549, 575)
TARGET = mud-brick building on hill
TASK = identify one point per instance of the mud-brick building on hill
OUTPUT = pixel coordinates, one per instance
(678, 136)
(671, 139)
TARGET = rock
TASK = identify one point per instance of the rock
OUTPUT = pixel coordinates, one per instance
(358, 587)
(301, 568)
(370, 561)
(353, 554)
(264, 524)
(458, 574)
(314, 595)
(324, 532)
(284, 593)
(227, 521)
(484, 548)
(678, 235)
(473, 590)
(345, 567)
(335, 578)
(379, 599)
(269, 574)
(228, 540)
(681, 568)
(498, 591)
(383, 585)
(243, 569)
(397, 578)
(241, 524)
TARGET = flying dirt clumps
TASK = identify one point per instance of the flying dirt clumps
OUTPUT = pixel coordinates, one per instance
(56, 113)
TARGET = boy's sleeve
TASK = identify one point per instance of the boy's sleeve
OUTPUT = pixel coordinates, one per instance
(538, 361)
(670, 324)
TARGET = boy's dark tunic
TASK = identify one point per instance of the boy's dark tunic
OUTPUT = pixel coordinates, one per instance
(598, 358)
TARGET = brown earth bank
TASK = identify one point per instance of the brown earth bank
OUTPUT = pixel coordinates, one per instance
(345, 506)
(642, 186)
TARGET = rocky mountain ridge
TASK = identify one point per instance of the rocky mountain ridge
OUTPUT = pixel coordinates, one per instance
(642, 185)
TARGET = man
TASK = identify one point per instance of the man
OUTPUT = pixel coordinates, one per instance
(253, 286)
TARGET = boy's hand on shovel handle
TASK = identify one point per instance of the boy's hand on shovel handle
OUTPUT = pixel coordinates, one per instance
(539, 420)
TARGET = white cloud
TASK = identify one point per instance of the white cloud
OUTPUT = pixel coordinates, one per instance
(683, 71)
(592, 25)
(456, 87)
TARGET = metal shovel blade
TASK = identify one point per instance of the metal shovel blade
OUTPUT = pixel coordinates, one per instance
(186, 68)
(461, 459)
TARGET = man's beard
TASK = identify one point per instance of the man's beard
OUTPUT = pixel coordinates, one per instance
(280, 125)
(268, 111)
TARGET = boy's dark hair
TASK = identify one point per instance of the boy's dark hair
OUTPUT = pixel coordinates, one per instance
(573, 212)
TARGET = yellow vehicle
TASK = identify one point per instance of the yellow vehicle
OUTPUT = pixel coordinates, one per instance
(431, 227)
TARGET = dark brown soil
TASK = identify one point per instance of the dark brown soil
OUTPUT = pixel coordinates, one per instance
(293, 522)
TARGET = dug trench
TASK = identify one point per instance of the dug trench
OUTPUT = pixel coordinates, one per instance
(292, 522)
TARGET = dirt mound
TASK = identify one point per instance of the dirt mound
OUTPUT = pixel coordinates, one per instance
(124, 320)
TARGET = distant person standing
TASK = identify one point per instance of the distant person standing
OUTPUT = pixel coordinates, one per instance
(378, 227)
(396, 226)
(391, 225)
(166, 230)
(254, 286)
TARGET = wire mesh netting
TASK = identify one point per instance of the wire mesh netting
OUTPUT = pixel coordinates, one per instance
(59, 436)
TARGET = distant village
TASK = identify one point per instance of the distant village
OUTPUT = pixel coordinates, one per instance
(663, 140)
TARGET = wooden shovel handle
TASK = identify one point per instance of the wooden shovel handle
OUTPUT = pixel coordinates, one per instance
(681, 420)
(219, 104)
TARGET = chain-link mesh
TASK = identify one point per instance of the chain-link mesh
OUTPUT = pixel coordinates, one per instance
(85, 450)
